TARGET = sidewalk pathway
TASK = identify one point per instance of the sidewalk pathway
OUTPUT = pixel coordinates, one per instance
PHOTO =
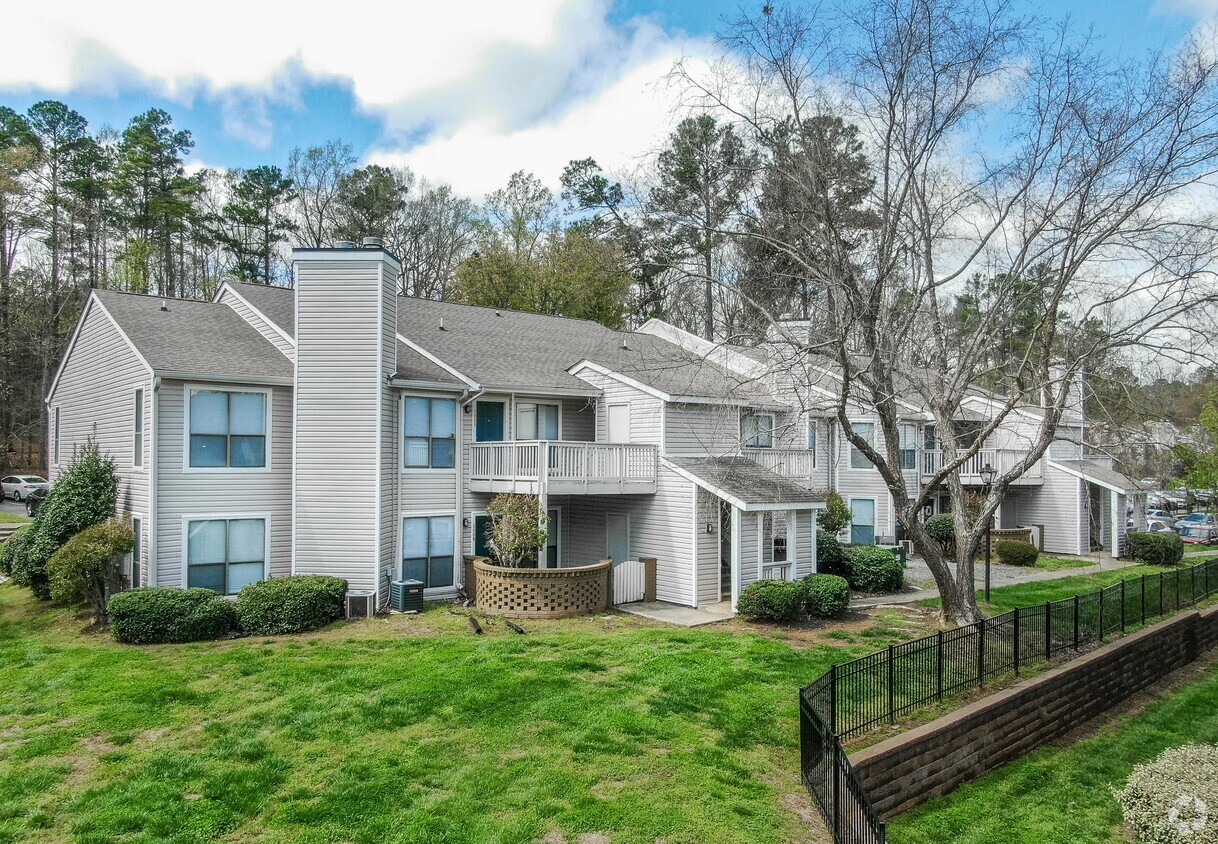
(1000, 575)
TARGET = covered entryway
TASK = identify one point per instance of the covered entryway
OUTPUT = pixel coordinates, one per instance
(1103, 510)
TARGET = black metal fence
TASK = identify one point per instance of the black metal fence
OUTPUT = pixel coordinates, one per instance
(879, 688)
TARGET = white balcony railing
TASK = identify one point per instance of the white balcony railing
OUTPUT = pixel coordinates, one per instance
(1001, 459)
(562, 465)
(790, 463)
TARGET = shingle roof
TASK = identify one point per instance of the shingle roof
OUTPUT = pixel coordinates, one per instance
(197, 338)
(741, 479)
(278, 304)
(1096, 472)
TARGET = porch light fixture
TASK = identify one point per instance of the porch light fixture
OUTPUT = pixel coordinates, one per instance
(465, 522)
(710, 527)
(987, 475)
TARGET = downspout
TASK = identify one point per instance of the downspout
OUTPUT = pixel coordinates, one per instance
(153, 505)
(469, 396)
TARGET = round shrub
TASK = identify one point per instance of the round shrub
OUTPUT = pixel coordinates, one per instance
(290, 604)
(874, 569)
(826, 595)
(830, 555)
(1171, 800)
(836, 515)
(155, 615)
(85, 568)
(942, 529)
(1014, 553)
(13, 548)
(772, 600)
(1156, 549)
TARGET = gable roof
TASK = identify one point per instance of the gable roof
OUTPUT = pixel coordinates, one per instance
(278, 304)
(1097, 473)
(195, 339)
(744, 483)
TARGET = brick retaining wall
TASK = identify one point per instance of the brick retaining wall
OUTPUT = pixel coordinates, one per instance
(927, 761)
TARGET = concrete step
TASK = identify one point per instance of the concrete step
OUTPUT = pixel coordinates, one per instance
(7, 529)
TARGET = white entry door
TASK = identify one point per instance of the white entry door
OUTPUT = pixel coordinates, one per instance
(617, 537)
(619, 423)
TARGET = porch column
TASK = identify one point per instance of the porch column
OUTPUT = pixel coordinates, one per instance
(792, 545)
(737, 556)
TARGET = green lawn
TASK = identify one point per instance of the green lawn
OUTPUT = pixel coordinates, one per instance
(7, 518)
(1061, 795)
(409, 729)
(1004, 598)
(1050, 563)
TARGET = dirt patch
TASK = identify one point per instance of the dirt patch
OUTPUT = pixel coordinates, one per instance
(552, 837)
(913, 622)
(594, 838)
(608, 789)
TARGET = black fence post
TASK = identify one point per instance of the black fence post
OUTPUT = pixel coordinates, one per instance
(1017, 641)
(939, 665)
(981, 652)
(1192, 585)
(891, 685)
(1161, 591)
(1177, 579)
(1122, 606)
(1100, 635)
(833, 699)
(835, 776)
(1048, 629)
(1143, 600)
(1076, 621)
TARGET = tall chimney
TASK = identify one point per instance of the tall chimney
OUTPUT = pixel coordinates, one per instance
(346, 353)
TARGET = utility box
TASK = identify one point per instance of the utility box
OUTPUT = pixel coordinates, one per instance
(899, 550)
(406, 595)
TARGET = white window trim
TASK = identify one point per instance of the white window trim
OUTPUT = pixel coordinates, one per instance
(537, 403)
(56, 434)
(629, 422)
(811, 430)
(227, 516)
(139, 537)
(187, 469)
(458, 557)
(773, 428)
(138, 463)
(850, 448)
(875, 516)
(914, 436)
(428, 470)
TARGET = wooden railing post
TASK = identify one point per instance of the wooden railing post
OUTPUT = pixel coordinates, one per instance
(649, 578)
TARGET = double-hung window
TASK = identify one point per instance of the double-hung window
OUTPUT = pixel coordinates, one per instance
(909, 446)
(428, 550)
(55, 437)
(430, 427)
(536, 421)
(811, 434)
(866, 430)
(227, 429)
(225, 554)
(757, 430)
(137, 444)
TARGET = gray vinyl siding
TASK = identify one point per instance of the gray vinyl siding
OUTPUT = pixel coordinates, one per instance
(708, 545)
(748, 549)
(390, 515)
(866, 483)
(230, 494)
(1058, 505)
(645, 410)
(261, 325)
(579, 420)
(805, 543)
(699, 429)
(339, 399)
(96, 397)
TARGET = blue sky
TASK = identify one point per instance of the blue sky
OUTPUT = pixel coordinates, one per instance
(464, 93)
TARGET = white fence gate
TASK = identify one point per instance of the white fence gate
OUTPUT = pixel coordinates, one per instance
(628, 583)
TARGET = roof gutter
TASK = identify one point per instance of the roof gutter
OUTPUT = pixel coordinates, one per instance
(259, 380)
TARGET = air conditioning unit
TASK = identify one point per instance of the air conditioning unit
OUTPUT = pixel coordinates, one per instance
(907, 544)
(361, 603)
(406, 595)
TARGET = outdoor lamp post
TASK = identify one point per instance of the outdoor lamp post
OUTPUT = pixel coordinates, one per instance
(987, 481)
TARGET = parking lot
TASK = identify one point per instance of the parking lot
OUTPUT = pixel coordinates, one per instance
(10, 506)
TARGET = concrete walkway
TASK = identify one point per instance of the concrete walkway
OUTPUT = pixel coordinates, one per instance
(679, 615)
(918, 572)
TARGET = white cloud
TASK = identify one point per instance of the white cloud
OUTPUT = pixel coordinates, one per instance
(466, 92)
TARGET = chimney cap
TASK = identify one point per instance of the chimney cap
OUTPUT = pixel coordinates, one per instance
(344, 244)
(373, 243)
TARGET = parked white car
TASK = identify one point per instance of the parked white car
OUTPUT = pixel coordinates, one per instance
(1161, 516)
(17, 487)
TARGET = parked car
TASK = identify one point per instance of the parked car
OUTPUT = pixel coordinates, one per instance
(1206, 519)
(1158, 526)
(1199, 534)
(1161, 516)
(18, 487)
(34, 500)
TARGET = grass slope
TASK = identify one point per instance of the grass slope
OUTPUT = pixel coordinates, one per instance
(410, 729)
(1059, 795)
(14, 518)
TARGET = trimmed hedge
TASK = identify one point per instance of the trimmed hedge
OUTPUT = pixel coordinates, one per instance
(1156, 549)
(85, 568)
(830, 554)
(1165, 800)
(1015, 553)
(772, 600)
(14, 548)
(942, 529)
(874, 569)
(158, 615)
(826, 595)
(290, 604)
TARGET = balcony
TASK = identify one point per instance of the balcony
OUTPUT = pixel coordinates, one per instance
(790, 463)
(563, 468)
(1002, 459)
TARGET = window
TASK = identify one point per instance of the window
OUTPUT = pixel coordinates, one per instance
(137, 446)
(811, 435)
(866, 430)
(225, 554)
(862, 521)
(430, 430)
(55, 450)
(488, 422)
(537, 422)
(930, 440)
(137, 551)
(227, 430)
(427, 550)
(909, 446)
(757, 430)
